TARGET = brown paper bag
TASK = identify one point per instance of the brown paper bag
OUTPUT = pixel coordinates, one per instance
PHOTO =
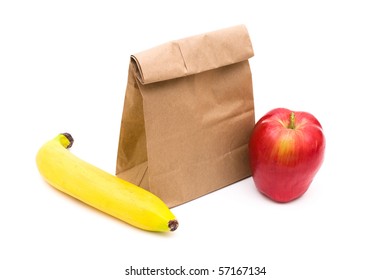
(188, 115)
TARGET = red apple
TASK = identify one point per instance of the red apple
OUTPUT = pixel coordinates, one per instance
(286, 150)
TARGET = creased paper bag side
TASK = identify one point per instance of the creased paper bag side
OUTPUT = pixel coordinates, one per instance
(132, 154)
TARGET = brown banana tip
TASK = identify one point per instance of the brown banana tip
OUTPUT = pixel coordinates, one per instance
(70, 139)
(173, 225)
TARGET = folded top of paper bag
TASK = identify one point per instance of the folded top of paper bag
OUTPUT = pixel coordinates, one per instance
(193, 55)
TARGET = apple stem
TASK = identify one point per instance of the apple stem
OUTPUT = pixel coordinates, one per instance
(291, 124)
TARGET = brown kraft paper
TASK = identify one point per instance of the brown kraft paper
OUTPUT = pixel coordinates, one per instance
(188, 115)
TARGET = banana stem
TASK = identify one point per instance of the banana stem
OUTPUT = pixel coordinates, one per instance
(70, 139)
(173, 225)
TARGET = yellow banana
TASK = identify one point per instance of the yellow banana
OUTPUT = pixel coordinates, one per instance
(99, 189)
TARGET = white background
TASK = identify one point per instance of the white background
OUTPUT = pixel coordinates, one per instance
(63, 67)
